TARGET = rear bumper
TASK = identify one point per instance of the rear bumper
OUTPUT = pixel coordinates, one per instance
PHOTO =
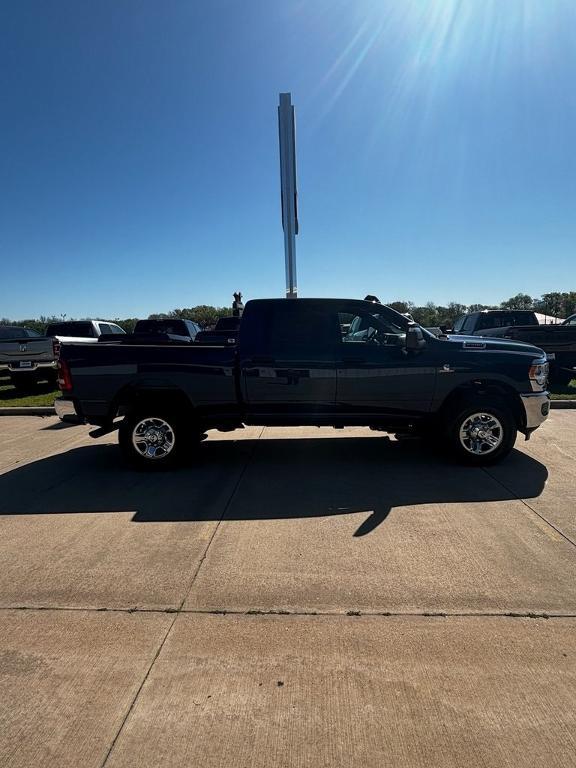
(36, 366)
(536, 409)
(66, 411)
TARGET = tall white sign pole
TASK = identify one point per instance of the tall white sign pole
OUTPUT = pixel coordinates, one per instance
(287, 137)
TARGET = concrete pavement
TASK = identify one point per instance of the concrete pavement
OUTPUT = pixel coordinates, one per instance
(113, 650)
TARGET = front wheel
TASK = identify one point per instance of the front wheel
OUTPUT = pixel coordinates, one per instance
(481, 434)
(151, 439)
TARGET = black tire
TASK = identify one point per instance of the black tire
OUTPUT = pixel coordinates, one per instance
(474, 425)
(24, 382)
(562, 377)
(165, 437)
(52, 378)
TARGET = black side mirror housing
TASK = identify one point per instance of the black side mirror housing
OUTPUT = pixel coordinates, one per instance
(414, 338)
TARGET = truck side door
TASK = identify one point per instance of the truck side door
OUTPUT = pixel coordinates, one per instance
(292, 368)
(375, 373)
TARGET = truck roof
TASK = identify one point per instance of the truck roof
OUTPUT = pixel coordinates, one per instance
(360, 302)
(504, 312)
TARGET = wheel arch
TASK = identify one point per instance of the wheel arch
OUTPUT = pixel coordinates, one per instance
(131, 398)
(489, 389)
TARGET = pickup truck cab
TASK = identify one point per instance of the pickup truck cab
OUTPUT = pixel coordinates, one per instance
(26, 356)
(324, 362)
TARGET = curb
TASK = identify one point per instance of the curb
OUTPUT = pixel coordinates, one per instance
(39, 410)
(563, 404)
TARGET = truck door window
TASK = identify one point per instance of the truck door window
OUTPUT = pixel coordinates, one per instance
(294, 328)
(491, 321)
(459, 324)
(370, 328)
(500, 321)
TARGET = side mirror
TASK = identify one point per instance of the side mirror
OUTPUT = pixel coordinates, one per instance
(414, 338)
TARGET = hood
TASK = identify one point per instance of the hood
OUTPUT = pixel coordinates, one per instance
(497, 345)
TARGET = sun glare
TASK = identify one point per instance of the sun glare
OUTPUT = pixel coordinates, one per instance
(435, 41)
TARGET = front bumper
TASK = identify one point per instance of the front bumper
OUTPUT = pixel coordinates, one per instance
(536, 409)
(66, 411)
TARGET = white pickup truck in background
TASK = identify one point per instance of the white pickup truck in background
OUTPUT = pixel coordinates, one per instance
(81, 331)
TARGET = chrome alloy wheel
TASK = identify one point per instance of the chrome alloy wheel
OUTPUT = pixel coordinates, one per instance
(153, 438)
(481, 433)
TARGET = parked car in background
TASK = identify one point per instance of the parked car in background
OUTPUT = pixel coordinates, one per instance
(175, 329)
(26, 356)
(558, 341)
(570, 320)
(474, 323)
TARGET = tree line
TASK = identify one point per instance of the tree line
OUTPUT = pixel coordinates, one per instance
(205, 315)
(558, 304)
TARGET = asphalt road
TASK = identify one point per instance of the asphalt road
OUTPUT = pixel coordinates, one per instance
(302, 597)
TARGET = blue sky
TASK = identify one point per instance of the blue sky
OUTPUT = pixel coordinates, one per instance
(139, 164)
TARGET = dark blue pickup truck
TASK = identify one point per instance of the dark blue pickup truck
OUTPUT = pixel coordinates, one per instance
(334, 362)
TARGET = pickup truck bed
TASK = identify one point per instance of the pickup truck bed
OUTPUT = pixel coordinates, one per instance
(108, 372)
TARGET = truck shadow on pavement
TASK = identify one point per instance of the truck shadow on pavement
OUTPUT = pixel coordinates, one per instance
(265, 479)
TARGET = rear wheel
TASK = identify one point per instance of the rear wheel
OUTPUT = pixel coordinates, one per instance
(480, 433)
(24, 382)
(562, 376)
(154, 439)
(52, 378)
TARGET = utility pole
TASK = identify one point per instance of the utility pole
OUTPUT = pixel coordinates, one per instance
(287, 138)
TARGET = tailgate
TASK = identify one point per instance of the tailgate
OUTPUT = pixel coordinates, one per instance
(26, 350)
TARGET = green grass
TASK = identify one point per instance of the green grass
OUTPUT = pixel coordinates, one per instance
(40, 394)
(567, 392)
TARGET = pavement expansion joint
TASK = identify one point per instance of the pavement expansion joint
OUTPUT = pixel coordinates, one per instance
(178, 610)
(534, 511)
(282, 612)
